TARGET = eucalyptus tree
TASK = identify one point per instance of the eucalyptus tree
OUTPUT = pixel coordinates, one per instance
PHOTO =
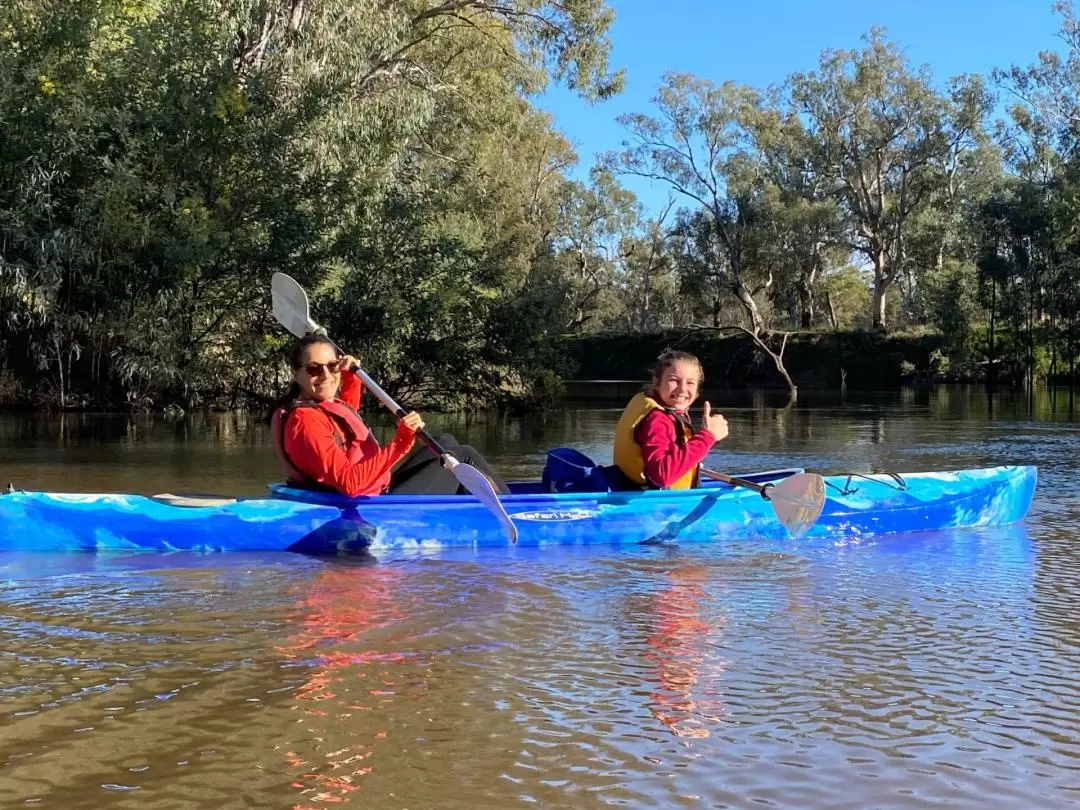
(881, 132)
(698, 144)
(158, 160)
(799, 208)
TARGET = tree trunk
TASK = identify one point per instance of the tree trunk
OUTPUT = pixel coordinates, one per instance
(878, 306)
(1036, 311)
(1018, 349)
(1072, 365)
(1053, 349)
(776, 356)
(882, 276)
(991, 370)
(832, 312)
(778, 362)
(806, 304)
(60, 371)
(757, 323)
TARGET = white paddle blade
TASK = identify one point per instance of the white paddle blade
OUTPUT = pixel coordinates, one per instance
(798, 501)
(291, 308)
(478, 484)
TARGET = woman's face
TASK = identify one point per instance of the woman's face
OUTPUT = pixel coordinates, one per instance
(319, 377)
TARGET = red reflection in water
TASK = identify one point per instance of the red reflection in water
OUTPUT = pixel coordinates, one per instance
(677, 651)
(341, 605)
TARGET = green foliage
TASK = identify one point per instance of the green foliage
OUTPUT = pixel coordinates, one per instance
(891, 144)
(951, 293)
(699, 145)
(849, 291)
(159, 161)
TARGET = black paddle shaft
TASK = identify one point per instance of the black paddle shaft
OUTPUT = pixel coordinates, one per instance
(762, 489)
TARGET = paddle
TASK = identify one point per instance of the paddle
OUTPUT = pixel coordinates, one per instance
(797, 500)
(292, 310)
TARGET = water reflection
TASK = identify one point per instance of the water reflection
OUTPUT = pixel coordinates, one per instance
(341, 606)
(917, 428)
(683, 648)
(892, 672)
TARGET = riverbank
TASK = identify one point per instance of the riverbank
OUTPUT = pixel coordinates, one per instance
(856, 360)
(821, 360)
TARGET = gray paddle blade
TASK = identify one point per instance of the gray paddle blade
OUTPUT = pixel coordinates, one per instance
(291, 308)
(478, 484)
(798, 501)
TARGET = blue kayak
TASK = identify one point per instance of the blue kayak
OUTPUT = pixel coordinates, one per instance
(314, 523)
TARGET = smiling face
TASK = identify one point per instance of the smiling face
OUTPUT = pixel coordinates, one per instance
(319, 374)
(678, 383)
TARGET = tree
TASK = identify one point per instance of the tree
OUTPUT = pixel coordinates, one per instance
(880, 131)
(593, 222)
(798, 206)
(698, 144)
(158, 161)
(847, 298)
(648, 282)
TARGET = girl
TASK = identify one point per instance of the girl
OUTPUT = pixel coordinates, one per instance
(655, 445)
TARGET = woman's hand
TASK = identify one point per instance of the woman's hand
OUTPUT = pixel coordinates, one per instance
(348, 362)
(411, 423)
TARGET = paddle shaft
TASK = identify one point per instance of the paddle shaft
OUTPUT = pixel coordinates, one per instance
(387, 400)
(445, 458)
(293, 311)
(762, 489)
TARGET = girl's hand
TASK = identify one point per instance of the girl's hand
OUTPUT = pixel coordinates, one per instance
(714, 423)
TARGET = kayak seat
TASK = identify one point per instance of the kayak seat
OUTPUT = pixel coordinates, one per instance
(569, 470)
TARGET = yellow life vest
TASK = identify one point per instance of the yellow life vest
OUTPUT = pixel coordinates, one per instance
(627, 455)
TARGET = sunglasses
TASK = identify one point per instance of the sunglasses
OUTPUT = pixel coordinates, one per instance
(316, 369)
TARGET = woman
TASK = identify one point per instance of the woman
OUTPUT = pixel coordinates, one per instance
(323, 444)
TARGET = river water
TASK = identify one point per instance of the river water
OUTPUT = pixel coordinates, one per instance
(903, 672)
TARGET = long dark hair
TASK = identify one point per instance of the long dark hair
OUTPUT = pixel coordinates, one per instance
(296, 360)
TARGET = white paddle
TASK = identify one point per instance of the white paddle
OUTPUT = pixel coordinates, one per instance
(797, 500)
(292, 310)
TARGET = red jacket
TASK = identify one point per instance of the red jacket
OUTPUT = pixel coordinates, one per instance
(315, 446)
(666, 459)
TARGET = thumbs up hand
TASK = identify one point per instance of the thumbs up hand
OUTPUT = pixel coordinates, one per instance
(714, 423)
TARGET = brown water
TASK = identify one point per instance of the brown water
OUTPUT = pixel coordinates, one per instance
(907, 672)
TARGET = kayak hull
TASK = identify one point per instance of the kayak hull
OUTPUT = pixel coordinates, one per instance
(299, 521)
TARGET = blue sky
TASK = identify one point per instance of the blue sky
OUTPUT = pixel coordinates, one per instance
(762, 42)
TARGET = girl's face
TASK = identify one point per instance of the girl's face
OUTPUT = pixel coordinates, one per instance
(320, 375)
(677, 385)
